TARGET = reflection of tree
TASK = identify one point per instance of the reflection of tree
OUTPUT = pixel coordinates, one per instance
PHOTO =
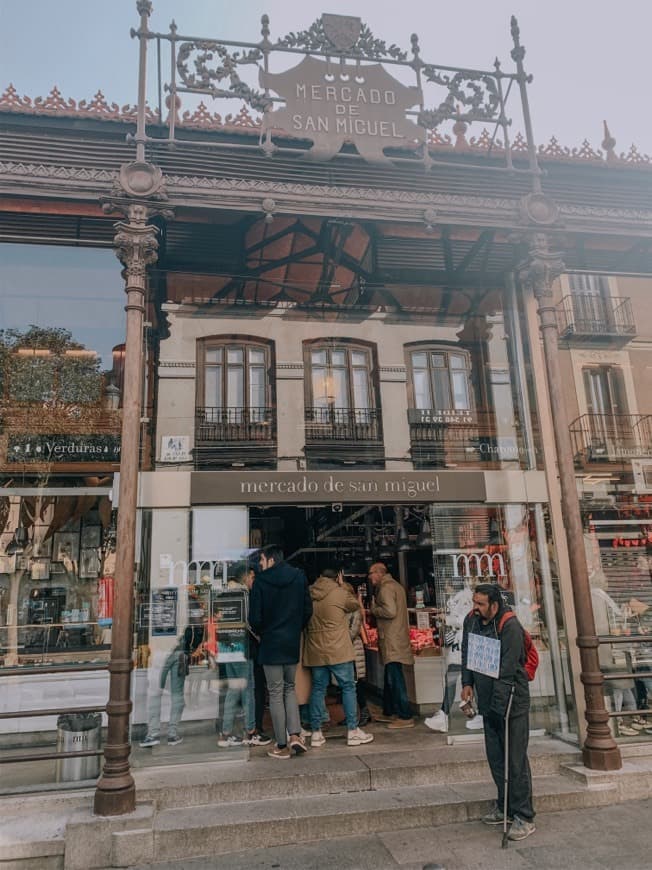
(50, 383)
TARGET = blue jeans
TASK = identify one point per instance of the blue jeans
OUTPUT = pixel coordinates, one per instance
(240, 693)
(172, 668)
(395, 699)
(344, 674)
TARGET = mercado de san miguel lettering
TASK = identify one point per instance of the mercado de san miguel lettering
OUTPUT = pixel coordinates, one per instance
(369, 316)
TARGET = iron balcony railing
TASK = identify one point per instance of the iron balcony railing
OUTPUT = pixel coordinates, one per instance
(587, 315)
(343, 424)
(611, 437)
(219, 425)
(455, 438)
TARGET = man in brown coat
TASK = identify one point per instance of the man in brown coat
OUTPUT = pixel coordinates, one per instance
(390, 609)
(328, 650)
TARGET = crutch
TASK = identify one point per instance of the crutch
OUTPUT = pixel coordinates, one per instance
(506, 774)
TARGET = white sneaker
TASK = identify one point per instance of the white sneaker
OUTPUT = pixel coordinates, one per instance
(305, 733)
(438, 722)
(475, 724)
(357, 737)
(317, 739)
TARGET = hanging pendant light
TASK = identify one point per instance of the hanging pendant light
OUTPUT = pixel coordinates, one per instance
(403, 541)
(384, 550)
(424, 538)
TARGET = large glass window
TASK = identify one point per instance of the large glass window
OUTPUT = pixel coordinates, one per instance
(235, 381)
(441, 379)
(61, 327)
(340, 378)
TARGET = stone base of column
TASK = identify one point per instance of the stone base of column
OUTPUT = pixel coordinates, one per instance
(115, 802)
(602, 757)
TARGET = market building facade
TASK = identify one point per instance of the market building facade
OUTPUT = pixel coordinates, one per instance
(348, 332)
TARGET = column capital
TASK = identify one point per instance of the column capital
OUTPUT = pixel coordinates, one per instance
(136, 245)
(540, 265)
(138, 195)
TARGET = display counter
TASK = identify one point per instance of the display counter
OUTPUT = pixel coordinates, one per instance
(424, 679)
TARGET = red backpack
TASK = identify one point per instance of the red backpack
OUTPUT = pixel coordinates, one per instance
(531, 653)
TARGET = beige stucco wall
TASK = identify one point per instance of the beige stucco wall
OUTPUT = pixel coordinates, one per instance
(177, 368)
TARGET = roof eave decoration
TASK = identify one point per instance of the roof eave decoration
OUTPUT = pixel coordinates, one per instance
(201, 118)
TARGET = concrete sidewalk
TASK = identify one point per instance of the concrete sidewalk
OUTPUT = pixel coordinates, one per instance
(613, 837)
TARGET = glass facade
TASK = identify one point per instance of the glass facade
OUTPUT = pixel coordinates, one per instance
(62, 316)
(296, 432)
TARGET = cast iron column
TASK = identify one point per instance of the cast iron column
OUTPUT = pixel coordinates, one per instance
(538, 271)
(136, 248)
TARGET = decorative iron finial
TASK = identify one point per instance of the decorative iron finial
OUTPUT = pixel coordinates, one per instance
(173, 26)
(264, 30)
(459, 129)
(269, 208)
(609, 143)
(414, 40)
(518, 52)
(144, 7)
(430, 219)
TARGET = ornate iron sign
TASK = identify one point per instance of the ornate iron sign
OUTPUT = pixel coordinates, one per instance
(331, 106)
(340, 95)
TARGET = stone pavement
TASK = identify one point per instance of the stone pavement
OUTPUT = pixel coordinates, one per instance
(617, 837)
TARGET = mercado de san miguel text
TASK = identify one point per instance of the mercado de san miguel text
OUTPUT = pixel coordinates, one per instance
(313, 291)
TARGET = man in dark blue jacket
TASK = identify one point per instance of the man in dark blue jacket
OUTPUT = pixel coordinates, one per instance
(280, 606)
(501, 697)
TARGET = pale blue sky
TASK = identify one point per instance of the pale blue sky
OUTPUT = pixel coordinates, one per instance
(589, 59)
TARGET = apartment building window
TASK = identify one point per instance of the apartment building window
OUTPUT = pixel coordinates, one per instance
(585, 283)
(340, 380)
(606, 403)
(235, 380)
(342, 415)
(441, 379)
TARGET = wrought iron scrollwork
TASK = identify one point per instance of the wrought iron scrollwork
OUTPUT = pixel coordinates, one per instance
(214, 63)
(478, 94)
(366, 46)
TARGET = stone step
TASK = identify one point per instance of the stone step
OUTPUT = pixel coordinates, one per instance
(206, 830)
(332, 771)
(33, 841)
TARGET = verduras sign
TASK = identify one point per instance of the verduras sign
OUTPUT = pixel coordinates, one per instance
(331, 104)
(63, 448)
(305, 487)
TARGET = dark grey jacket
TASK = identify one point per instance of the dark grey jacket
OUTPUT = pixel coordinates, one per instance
(279, 608)
(493, 694)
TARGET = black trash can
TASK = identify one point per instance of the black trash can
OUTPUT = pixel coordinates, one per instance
(77, 732)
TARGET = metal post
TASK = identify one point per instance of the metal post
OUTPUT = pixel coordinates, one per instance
(136, 248)
(514, 328)
(538, 271)
(144, 8)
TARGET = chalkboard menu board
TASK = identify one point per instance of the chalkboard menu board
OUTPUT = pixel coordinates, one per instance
(164, 612)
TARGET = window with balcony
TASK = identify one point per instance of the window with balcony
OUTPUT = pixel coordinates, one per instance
(591, 312)
(341, 397)
(235, 405)
(608, 432)
(441, 381)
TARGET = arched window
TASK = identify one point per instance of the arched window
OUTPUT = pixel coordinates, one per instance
(235, 381)
(441, 378)
(340, 378)
(342, 400)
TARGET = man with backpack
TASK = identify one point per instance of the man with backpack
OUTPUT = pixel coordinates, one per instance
(494, 659)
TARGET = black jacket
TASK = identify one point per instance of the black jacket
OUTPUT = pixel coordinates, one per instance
(279, 609)
(493, 694)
